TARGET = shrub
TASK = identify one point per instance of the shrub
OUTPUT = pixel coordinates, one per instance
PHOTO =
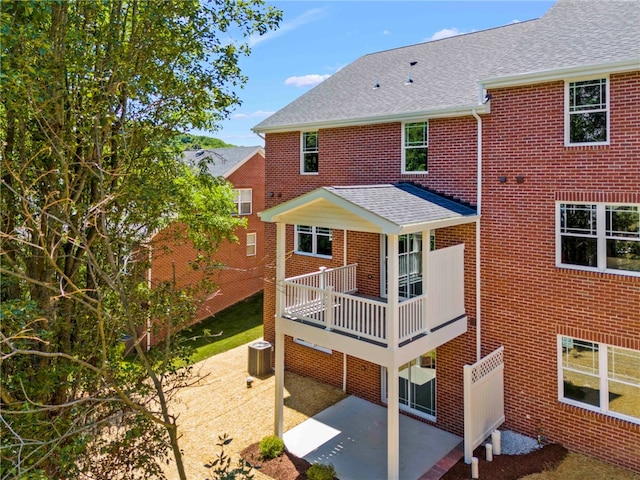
(271, 447)
(319, 471)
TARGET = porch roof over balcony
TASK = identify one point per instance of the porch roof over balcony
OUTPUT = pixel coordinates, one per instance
(389, 209)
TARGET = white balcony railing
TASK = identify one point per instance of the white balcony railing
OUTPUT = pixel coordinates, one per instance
(325, 298)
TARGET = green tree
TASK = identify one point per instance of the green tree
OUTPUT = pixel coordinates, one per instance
(92, 95)
(196, 142)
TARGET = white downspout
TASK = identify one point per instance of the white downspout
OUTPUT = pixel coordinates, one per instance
(478, 208)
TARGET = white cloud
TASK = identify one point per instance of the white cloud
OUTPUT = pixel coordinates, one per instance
(256, 114)
(307, 17)
(306, 80)
(386, 32)
(444, 33)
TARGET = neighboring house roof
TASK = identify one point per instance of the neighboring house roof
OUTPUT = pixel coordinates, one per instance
(447, 78)
(222, 162)
(391, 209)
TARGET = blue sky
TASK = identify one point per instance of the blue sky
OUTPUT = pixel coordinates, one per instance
(316, 39)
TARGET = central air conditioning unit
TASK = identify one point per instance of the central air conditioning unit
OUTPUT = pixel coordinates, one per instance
(259, 359)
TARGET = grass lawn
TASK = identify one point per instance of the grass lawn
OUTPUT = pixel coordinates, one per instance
(238, 324)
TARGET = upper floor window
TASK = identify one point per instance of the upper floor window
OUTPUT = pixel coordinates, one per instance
(416, 146)
(242, 198)
(587, 112)
(599, 237)
(599, 377)
(309, 160)
(251, 244)
(313, 241)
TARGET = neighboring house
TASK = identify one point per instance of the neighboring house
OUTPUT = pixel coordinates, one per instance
(467, 194)
(241, 270)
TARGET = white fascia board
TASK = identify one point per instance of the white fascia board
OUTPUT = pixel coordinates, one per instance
(562, 74)
(259, 150)
(447, 222)
(280, 212)
(400, 117)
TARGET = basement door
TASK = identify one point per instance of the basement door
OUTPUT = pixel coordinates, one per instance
(417, 386)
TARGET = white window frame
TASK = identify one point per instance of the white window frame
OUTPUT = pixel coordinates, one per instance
(424, 144)
(239, 198)
(303, 151)
(601, 373)
(600, 235)
(567, 111)
(252, 244)
(314, 240)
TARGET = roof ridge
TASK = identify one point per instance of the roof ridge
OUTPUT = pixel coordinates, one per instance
(464, 34)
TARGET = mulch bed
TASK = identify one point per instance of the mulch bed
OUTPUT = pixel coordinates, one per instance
(285, 467)
(510, 467)
(503, 467)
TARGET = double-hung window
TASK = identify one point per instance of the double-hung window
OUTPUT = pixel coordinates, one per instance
(415, 139)
(252, 240)
(599, 377)
(587, 112)
(314, 241)
(309, 156)
(599, 237)
(243, 198)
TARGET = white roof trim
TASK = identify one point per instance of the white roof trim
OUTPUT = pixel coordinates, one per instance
(561, 74)
(276, 214)
(401, 117)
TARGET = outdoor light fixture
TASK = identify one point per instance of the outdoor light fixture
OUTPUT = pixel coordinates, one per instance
(503, 179)
(520, 179)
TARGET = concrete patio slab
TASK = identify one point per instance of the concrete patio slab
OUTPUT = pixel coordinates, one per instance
(352, 435)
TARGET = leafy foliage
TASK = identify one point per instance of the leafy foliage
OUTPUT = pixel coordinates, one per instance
(320, 471)
(271, 447)
(196, 142)
(221, 465)
(93, 94)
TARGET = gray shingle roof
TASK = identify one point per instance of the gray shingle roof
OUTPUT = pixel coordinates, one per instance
(402, 204)
(221, 161)
(448, 72)
(576, 33)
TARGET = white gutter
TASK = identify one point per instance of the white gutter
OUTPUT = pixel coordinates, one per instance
(478, 207)
(373, 120)
(628, 65)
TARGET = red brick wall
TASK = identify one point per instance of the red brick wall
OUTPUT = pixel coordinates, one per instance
(240, 276)
(526, 300)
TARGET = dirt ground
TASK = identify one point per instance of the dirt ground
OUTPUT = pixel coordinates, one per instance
(220, 403)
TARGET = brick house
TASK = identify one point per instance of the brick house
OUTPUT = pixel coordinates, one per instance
(241, 270)
(436, 202)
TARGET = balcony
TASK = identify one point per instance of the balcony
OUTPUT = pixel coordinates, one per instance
(328, 299)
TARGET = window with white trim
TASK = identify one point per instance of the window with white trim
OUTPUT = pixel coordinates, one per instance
(598, 237)
(309, 157)
(415, 140)
(599, 377)
(252, 240)
(242, 197)
(314, 241)
(587, 112)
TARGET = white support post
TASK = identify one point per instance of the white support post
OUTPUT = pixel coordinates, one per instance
(281, 242)
(328, 308)
(392, 292)
(279, 374)
(426, 248)
(393, 423)
(281, 245)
